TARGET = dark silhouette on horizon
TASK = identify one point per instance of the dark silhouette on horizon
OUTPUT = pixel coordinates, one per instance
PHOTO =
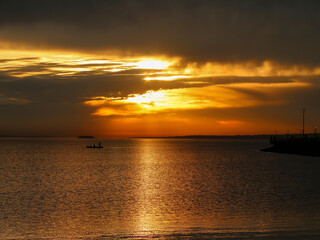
(302, 144)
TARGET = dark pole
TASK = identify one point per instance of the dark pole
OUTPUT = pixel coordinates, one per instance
(303, 122)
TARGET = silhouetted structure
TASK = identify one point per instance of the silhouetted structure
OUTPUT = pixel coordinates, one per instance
(303, 144)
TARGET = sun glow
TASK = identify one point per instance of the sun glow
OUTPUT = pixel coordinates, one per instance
(166, 78)
(147, 98)
(152, 64)
(174, 100)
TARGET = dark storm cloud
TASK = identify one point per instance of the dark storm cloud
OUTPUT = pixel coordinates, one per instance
(231, 30)
(5, 78)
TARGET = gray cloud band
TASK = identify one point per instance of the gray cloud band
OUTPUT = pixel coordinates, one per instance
(224, 31)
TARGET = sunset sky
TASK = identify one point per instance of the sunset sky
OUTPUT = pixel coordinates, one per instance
(114, 68)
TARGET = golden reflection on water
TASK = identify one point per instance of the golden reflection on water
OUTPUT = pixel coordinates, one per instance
(149, 189)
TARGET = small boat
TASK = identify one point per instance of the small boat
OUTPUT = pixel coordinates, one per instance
(94, 146)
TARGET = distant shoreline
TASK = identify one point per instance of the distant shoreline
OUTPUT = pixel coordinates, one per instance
(80, 137)
(86, 136)
(212, 137)
(157, 137)
(8, 136)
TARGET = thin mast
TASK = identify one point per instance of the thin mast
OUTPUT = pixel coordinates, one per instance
(303, 112)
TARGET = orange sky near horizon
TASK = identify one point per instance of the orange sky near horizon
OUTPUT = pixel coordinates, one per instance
(183, 102)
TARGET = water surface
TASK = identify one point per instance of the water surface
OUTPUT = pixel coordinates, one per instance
(156, 188)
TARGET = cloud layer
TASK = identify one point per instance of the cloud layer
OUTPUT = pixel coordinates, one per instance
(200, 31)
(74, 95)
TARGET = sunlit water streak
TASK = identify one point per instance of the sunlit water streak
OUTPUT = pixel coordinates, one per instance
(156, 188)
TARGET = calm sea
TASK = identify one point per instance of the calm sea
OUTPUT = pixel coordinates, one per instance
(156, 188)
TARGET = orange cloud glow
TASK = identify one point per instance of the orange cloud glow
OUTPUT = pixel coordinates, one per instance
(171, 89)
(175, 100)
